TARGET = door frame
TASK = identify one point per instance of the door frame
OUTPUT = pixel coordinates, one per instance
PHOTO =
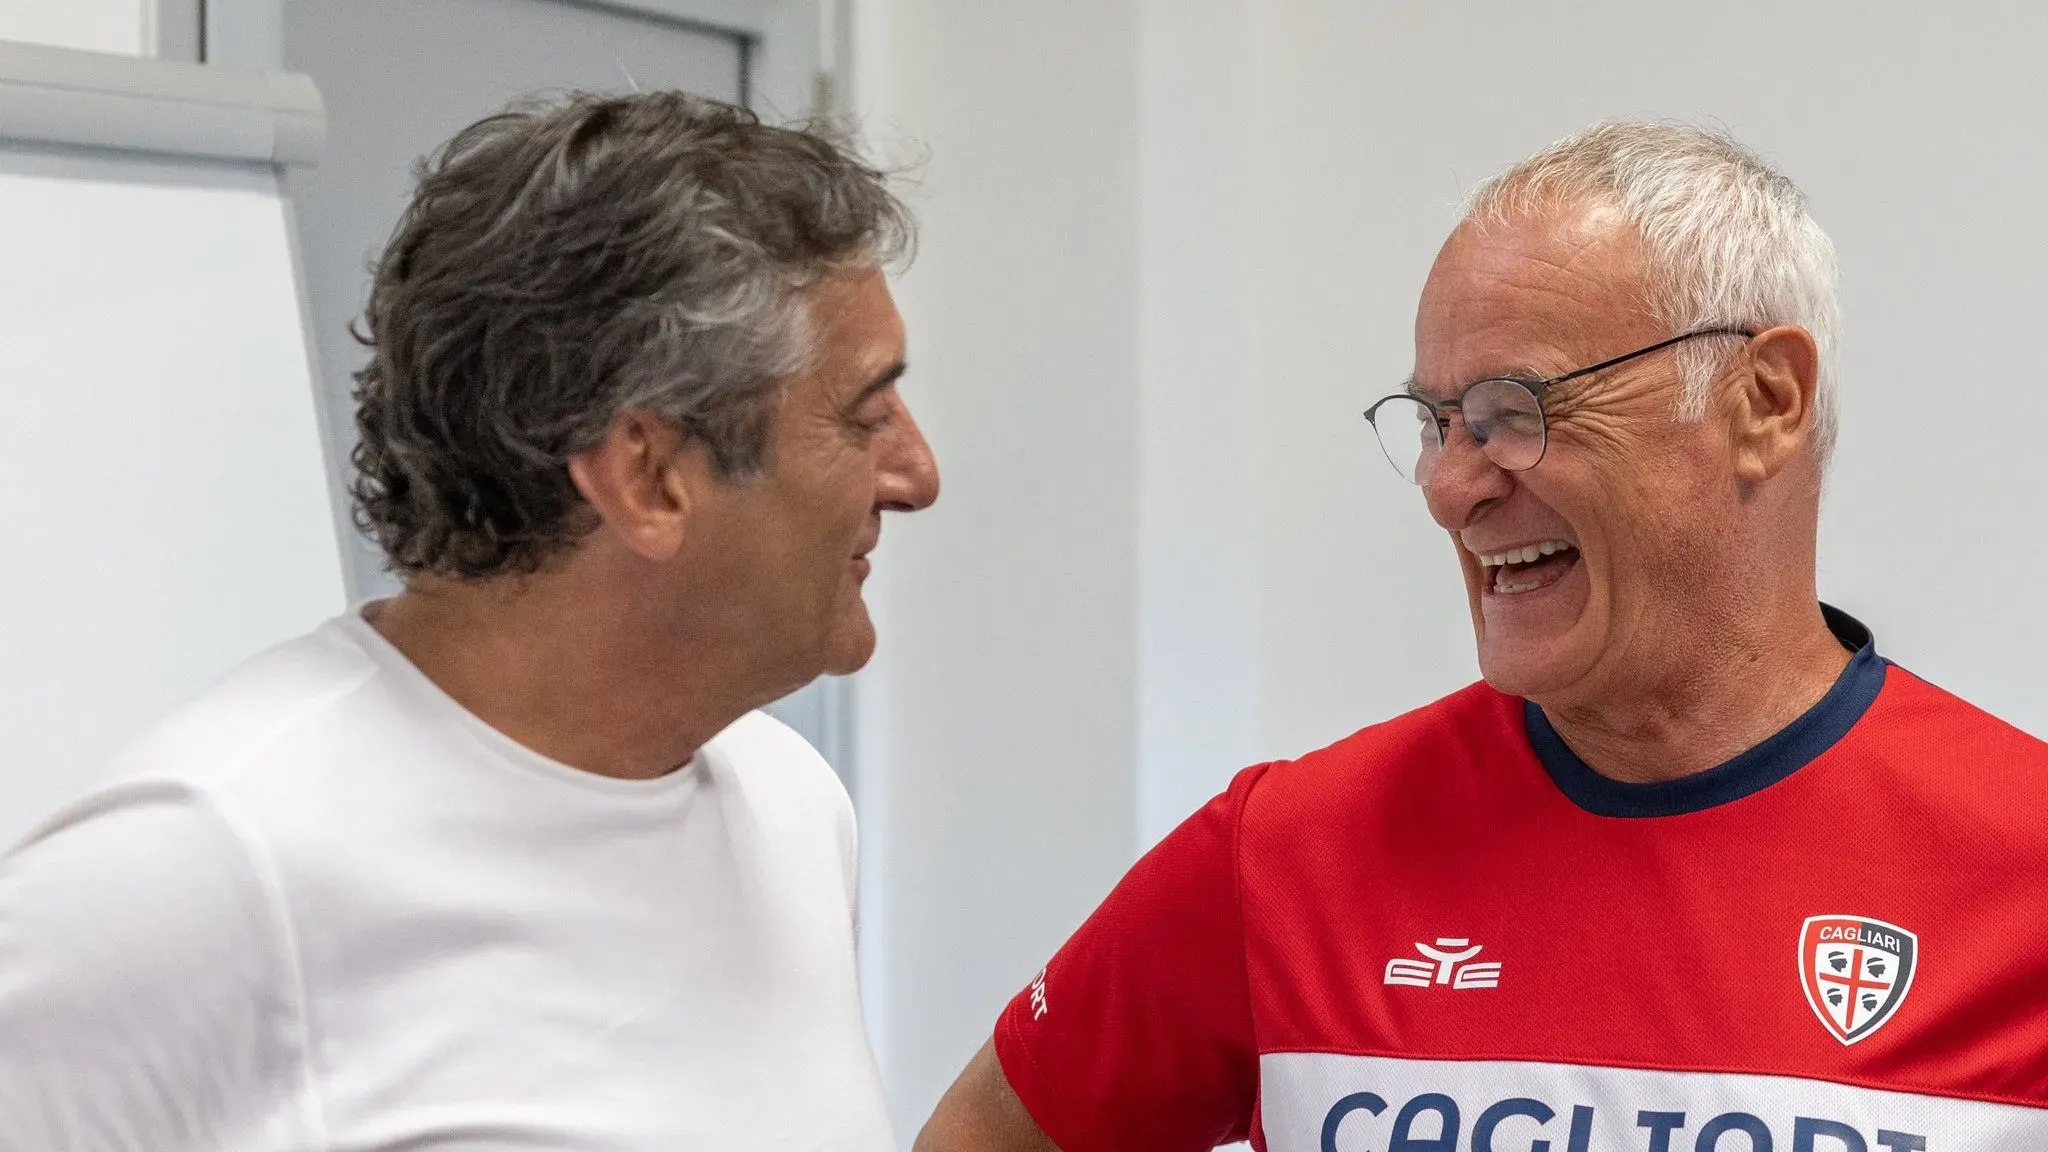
(177, 30)
(791, 55)
(794, 52)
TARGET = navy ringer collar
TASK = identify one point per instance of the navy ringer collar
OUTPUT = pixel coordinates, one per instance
(1785, 752)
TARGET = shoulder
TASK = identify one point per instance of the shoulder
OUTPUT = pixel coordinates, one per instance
(1914, 709)
(1945, 754)
(1436, 748)
(784, 780)
(265, 703)
(775, 760)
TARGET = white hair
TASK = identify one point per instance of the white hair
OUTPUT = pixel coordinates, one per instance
(1727, 239)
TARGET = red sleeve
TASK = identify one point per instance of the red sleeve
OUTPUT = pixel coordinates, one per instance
(1138, 1034)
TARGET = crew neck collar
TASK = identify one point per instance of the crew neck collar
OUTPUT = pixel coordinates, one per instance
(1786, 751)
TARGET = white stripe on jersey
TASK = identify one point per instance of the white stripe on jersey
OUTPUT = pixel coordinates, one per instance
(1318, 1102)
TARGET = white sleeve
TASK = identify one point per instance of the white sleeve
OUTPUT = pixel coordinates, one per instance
(145, 1003)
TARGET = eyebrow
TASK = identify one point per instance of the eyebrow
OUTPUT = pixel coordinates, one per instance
(887, 379)
(1525, 375)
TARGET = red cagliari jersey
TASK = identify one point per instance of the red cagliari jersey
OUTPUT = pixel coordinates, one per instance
(1448, 934)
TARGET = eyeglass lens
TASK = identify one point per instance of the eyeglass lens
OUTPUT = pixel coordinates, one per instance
(1503, 417)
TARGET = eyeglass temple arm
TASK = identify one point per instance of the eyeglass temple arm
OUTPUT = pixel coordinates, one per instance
(1439, 407)
(1659, 346)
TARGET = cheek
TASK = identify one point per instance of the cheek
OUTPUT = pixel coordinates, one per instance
(1655, 517)
(1610, 502)
(837, 510)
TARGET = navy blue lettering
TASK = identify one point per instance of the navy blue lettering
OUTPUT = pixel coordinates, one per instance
(1482, 1129)
(1805, 1130)
(1710, 1135)
(1446, 1138)
(1582, 1129)
(1661, 1126)
(1809, 1133)
(1356, 1102)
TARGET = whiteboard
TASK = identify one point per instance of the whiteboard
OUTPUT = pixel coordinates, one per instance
(160, 457)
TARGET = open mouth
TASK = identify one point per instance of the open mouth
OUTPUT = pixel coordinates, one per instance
(1528, 568)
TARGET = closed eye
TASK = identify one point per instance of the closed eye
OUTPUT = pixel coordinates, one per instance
(875, 406)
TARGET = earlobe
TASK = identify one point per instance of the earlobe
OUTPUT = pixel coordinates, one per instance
(635, 482)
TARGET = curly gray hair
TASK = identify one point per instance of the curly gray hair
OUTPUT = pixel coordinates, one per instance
(562, 262)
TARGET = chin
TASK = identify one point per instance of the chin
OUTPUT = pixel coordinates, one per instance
(852, 646)
(1520, 669)
(1538, 649)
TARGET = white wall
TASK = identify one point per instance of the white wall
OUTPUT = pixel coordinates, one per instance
(995, 733)
(1199, 395)
(1172, 251)
(122, 26)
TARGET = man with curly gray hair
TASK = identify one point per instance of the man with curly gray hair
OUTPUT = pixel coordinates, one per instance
(511, 860)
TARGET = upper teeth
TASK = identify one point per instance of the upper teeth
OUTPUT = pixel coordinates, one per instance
(1524, 554)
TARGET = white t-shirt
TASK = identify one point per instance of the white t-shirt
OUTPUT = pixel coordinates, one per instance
(324, 907)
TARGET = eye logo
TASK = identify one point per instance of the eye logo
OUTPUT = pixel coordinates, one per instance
(1449, 962)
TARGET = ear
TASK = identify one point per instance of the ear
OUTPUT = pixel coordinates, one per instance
(1773, 402)
(639, 480)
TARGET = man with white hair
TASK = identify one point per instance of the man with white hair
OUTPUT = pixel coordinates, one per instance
(1693, 870)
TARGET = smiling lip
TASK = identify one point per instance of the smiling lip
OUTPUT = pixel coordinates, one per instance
(1525, 553)
(1508, 581)
(1519, 569)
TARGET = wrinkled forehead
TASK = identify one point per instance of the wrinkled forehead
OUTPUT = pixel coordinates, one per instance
(1536, 295)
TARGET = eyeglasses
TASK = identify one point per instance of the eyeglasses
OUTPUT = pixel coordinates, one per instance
(1504, 415)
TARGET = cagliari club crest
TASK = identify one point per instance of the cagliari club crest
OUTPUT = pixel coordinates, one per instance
(1856, 971)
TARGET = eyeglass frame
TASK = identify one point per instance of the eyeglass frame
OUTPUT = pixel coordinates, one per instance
(1535, 389)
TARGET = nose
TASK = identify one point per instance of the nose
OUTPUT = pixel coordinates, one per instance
(909, 480)
(1465, 481)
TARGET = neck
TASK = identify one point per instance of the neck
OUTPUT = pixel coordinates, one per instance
(562, 669)
(1743, 676)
